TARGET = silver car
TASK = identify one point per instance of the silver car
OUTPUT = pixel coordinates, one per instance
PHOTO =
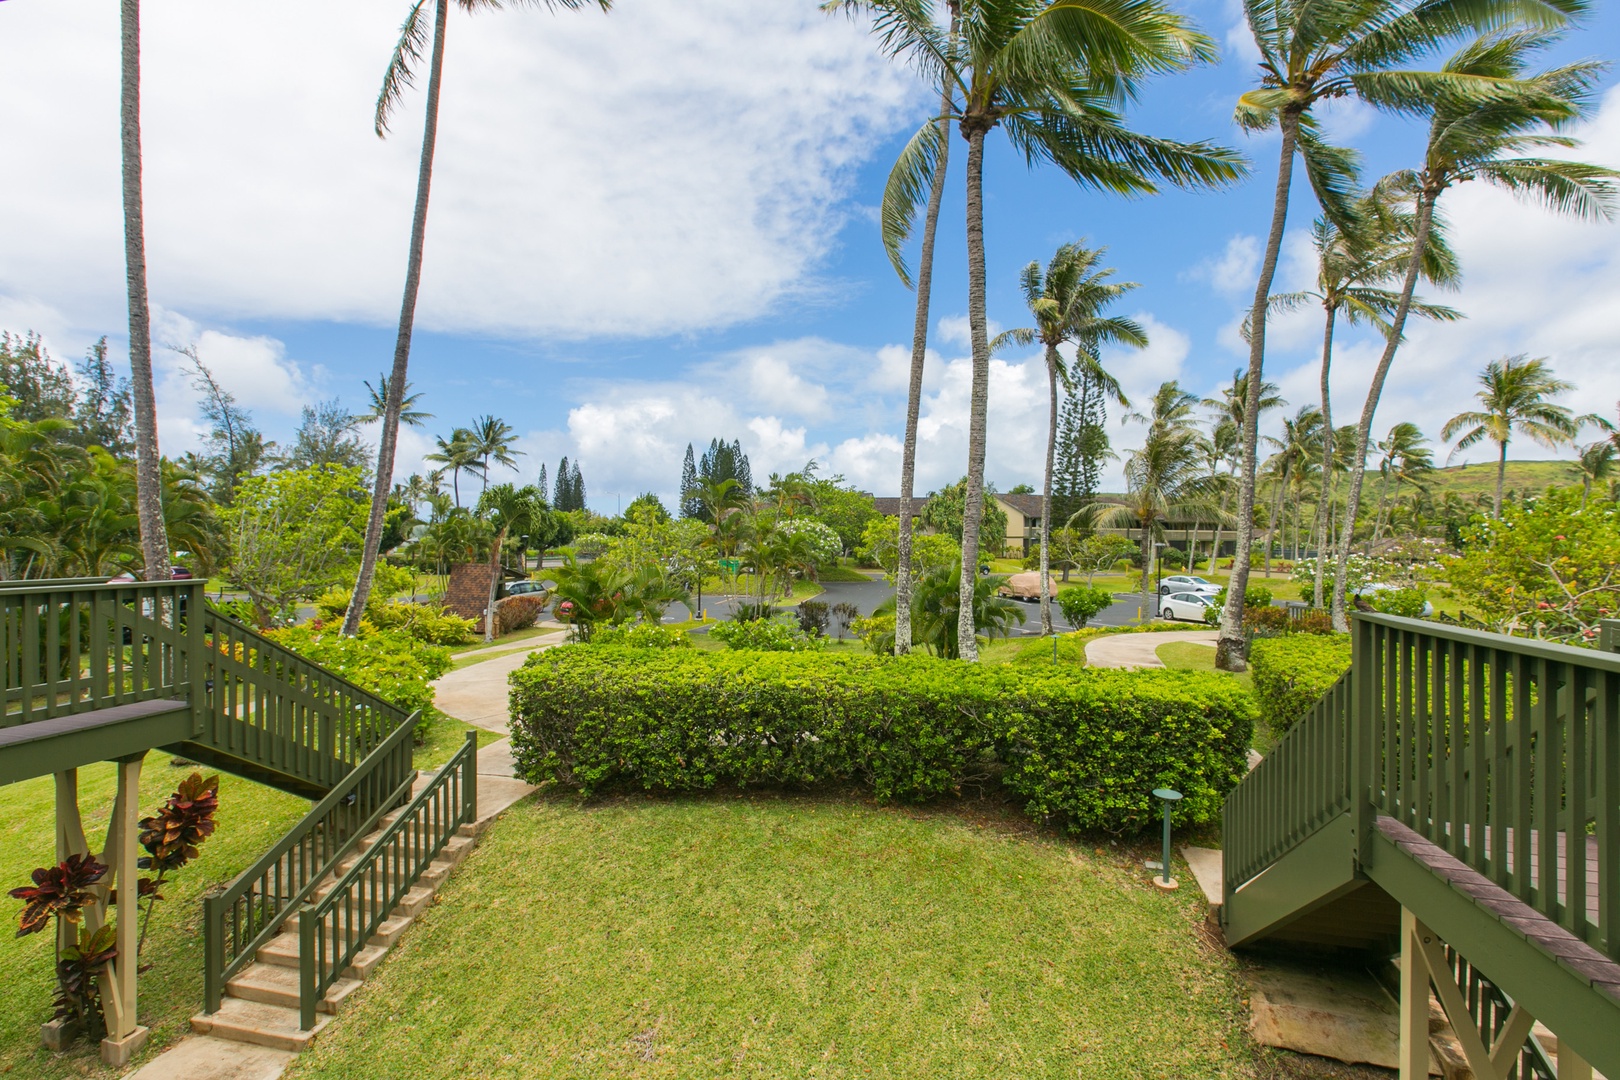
(1186, 605)
(1188, 583)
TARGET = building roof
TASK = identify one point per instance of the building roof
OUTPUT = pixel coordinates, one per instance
(1028, 505)
(889, 505)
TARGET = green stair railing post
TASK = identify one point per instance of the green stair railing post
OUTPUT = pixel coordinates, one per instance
(307, 1001)
(213, 953)
(470, 783)
(195, 665)
(1609, 635)
(1363, 703)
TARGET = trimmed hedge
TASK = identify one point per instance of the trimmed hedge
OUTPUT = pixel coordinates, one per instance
(1292, 672)
(1086, 747)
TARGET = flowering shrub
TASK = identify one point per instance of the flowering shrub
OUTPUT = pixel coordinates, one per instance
(824, 541)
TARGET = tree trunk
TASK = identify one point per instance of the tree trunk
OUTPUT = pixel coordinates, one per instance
(1229, 649)
(1378, 515)
(973, 496)
(494, 585)
(919, 353)
(148, 462)
(1322, 504)
(1150, 603)
(1358, 464)
(1501, 476)
(1052, 361)
(1271, 524)
(1215, 546)
(402, 343)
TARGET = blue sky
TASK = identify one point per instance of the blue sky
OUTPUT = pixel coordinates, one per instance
(658, 226)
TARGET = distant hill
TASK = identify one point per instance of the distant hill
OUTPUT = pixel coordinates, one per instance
(1480, 478)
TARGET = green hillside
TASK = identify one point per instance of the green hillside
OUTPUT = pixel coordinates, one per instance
(1480, 477)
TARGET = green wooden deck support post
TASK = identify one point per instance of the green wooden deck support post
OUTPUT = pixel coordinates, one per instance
(194, 666)
(1609, 635)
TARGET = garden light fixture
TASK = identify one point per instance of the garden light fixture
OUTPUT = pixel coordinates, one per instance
(1169, 797)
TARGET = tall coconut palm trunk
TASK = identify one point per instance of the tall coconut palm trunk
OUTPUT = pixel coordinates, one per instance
(973, 495)
(148, 462)
(1052, 362)
(1319, 529)
(1358, 461)
(1229, 650)
(919, 353)
(1501, 478)
(402, 343)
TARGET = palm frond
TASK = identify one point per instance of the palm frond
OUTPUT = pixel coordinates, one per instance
(908, 185)
(413, 39)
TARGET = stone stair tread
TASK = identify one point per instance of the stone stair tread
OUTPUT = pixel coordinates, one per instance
(255, 1022)
(276, 985)
(282, 951)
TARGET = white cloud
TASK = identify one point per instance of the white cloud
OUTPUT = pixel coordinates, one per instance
(1234, 270)
(669, 167)
(958, 331)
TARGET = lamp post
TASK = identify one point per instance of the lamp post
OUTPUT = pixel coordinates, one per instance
(1168, 797)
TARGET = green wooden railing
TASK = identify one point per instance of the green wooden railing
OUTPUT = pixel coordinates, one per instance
(268, 705)
(254, 907)
(1503, 751)
(332, 931)
(1302, 785)
(77, 645)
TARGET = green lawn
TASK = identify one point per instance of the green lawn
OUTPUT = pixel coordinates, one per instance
(766, 936)
(251, 819)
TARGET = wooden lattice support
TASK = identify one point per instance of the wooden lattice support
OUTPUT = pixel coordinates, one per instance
(1424, 964)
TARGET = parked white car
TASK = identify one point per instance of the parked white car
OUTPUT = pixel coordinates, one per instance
(1188, 583)
(1186, 605)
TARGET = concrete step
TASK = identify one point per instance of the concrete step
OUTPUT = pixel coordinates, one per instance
(282, 951)
(431, 878)
(272, 984)
(388, 933)
(411, 903)
(255, 1022)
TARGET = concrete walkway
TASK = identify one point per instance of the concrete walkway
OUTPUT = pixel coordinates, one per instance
(1140, 650)
(477, 693)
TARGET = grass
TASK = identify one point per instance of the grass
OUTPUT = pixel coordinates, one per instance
(516, 637)
(791, 936)
(251, 819)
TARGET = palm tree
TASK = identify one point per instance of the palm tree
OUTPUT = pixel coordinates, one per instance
(1230, 409)
(1406, 460)
(457, 455)
(938, 593)
(1514, 393)
(1352, 262)
(1054, 74)
(409, 414)
(508, 509)
(401, 74)
(1310, 53)
(895, 232)
(492, 438)
(1301, 435)
(148, 461)
(1165, 481)
(1476, 138)
(1598, 462)
(1067, 303)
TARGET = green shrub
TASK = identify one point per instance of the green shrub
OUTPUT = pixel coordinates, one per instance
(1080, 602)
(394, 666)
(765, 635)
(642, 636)
(1291, 673)
(427, 623)
(1267, 619)
(876, 633)
(1086, 747)
(1172, 558)
(1407, 603)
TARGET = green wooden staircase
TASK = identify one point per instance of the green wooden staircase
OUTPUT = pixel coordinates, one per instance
(97, 670)
(1455, 800)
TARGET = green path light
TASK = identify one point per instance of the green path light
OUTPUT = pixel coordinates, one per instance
(1169, 797)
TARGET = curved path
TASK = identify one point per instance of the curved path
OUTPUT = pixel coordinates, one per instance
(478, 692)
(1140, 650)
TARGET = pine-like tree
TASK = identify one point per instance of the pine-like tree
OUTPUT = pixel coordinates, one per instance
(542, 486)
(691, 505)
(1068, 474)
(1093, 438)
(560, 497)
(745, 476)
(576, 489)
(726, 461)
